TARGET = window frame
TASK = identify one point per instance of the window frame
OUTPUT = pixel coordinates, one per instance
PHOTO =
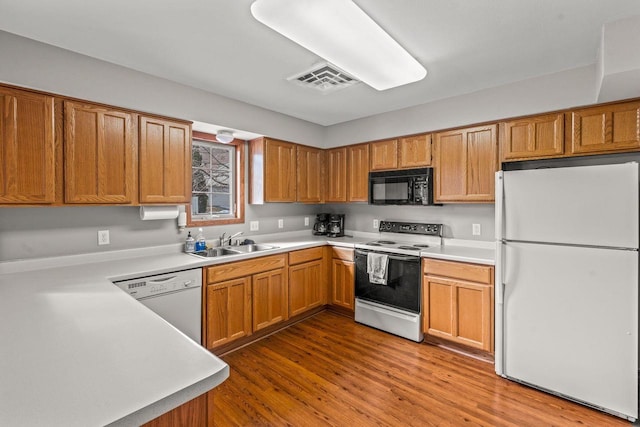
(240, 184)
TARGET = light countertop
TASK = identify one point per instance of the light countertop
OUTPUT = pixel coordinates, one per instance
(76, 350)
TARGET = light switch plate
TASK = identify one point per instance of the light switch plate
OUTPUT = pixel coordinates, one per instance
(254, 226)
(375, 224)
(281, 223)
(476, 230)
(306, 221)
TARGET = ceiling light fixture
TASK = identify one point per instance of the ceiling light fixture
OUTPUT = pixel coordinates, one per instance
(224, 136)
(341, 33)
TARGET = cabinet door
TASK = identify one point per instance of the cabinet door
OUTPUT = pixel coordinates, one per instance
(165, 161)
(336, 177)
(533, 137)
(343, 284)
(228, 311)
(606, 129)
(269, 298)
(414, 151)
(358, 173)
(310, 167)
(384, 155)
(100, 154)
(305, 287)
(279, 171)
(458, 311)
(192, 413)
(27, 147)
(466, 162)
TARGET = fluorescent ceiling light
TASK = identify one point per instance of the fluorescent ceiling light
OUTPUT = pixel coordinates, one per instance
(341, 33)
(224, 136)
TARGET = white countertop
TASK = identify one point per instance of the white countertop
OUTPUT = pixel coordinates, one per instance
(76, 350)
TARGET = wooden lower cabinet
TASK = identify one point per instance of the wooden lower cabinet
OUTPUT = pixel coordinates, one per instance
(458, 302)
(306, 280)
(243, 297)
(269, 298)
(343, 278)
(194, 413)
(228, 311)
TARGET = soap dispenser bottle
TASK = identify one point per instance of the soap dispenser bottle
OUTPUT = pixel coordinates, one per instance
(201, 243)
(190, 244)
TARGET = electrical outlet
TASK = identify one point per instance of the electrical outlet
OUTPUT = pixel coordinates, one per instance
(306, 221)
(254, 226)
(375, 224)
(103, 237)
(281, 223)
(475, 229)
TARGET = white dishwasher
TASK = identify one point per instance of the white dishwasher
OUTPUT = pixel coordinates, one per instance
(176, 297)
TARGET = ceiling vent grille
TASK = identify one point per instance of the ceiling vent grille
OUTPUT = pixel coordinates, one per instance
(324, 77)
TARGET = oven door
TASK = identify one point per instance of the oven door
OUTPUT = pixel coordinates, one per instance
(402, 290)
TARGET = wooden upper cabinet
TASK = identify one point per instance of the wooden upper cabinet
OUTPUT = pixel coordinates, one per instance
(532, 137)
(100, 155)
(27, 148)
(384, 154)
(404, 153)
(165, 161)
(414, 151)
(465, 165)
(310, 174)
(272, 172)
(336, 175)
(357, 173)
(605, 129)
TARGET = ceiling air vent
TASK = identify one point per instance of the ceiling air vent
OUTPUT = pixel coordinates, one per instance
(324, 77)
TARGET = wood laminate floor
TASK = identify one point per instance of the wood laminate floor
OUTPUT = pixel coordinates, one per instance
(329, 370)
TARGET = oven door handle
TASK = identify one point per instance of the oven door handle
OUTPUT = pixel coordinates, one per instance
(407, 258)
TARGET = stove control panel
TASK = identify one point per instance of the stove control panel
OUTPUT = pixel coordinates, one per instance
(411, 228)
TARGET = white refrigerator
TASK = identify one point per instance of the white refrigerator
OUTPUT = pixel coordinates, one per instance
(566, 312)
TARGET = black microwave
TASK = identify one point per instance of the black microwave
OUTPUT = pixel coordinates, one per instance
(401, 187)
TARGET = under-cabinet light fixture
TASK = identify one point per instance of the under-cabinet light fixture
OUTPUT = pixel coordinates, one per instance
(224, 136)
(343, 34)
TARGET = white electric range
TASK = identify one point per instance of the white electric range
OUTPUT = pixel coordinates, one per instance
(388, 291)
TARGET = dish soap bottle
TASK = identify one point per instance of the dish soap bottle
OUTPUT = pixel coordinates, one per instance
(190, 244)
(201, 243)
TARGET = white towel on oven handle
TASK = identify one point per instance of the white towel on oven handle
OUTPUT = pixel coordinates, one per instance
(377, 268)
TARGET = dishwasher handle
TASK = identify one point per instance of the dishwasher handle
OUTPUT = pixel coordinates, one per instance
(163, 280)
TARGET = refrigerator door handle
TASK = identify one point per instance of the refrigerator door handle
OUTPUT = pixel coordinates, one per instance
(499, 205)
(499, 310)
(499, 285)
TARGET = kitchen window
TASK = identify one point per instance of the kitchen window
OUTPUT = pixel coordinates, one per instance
(217, 187)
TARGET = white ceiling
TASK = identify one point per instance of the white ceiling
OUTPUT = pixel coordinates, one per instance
(216, 45)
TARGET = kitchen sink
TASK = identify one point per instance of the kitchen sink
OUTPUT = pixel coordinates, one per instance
(233, 250)
(255, 247)
(216, 252)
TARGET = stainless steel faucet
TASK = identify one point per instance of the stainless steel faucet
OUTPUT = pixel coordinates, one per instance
(224, 241)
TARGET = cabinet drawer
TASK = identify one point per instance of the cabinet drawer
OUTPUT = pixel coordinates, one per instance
(342, 253)
(218, 273)
(458, 270)
(304, 255)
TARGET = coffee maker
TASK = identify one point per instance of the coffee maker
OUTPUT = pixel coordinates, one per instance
(321, 227)
(336, 225)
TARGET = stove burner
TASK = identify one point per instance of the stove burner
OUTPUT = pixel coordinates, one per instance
(385, 242)
(421, 246)
(410, 248)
